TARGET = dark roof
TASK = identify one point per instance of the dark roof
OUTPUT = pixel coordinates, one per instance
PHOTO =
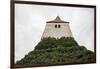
(57, 20)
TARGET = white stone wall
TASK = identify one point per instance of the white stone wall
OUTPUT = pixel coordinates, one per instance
(51, 31)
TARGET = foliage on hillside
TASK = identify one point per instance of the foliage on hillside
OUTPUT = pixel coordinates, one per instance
(57, 51)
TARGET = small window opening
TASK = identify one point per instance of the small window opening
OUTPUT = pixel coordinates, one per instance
(59, 26)
(56, 26)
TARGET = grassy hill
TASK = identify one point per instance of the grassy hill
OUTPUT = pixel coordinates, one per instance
(57, 51)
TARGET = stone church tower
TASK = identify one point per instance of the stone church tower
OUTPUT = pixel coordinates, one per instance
(57, 28)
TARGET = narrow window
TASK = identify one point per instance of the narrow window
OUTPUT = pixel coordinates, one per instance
(59, 26)
(56, 26)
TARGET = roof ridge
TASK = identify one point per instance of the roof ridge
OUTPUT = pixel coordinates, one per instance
(57, 19)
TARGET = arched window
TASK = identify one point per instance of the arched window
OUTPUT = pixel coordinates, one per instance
(59, 26)
(56, 26)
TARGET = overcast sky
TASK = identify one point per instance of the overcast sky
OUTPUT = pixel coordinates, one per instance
(30, 21)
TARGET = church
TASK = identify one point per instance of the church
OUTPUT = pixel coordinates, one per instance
(57, 28)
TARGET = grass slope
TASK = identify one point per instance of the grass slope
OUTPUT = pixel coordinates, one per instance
(57, 51)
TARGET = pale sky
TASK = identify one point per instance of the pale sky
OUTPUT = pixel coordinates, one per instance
(30, 21)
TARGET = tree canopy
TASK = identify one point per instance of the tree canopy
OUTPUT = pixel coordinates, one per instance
(56, 51)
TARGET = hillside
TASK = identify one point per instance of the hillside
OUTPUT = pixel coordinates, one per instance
(57, 51)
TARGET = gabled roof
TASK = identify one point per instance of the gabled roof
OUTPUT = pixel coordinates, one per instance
(57, 20)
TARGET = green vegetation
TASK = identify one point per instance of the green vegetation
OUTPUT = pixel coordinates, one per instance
(57, 51)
